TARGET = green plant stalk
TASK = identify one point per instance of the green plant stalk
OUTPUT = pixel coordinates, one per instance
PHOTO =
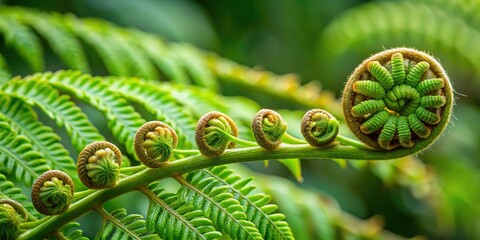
(197, 162)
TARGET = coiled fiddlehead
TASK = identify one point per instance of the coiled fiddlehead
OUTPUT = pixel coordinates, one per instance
(210, 133)
(319, 127)
(154, 143)
(398, 98)
(52, 192)
(10, 219)
(98, 165)
(268, 128)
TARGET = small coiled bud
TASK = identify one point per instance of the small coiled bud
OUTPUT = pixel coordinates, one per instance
(210, 133)
(319, 127)
(268, 128)
(154, 143)
(52, 192)
(98, 165)
(10, 219)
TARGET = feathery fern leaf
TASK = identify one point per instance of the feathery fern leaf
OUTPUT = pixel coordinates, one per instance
(71, 231)
(89, 33)
(24, 41)
(257, 206)
(17, 156)
(121, 225)
(122, 119)
(57, 107)
(195, 65)
(173, 219)
(24, 121)
(158, 101)
(4, 73)
(435, 31)
(162, 56)
(8, 190)
(220, 206)
(62, 42)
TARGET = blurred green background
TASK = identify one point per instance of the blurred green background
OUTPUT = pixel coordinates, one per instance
(324, 41)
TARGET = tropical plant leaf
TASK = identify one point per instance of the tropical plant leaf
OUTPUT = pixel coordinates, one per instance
(58, 107)
(172, 218)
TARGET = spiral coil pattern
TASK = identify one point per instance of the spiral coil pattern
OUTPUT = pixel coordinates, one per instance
(268, 128)
(319, 128)
(397, 98)
(98, 165)
(154, 143)
(52, 192)
(210, 133)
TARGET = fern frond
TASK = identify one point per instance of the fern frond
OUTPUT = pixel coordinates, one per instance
(257, 206)
(122, 119)
(4, 73)
(158, 101)
(197, 100)
(58, 107)
(24, 41)
(195, 65)
(71, 231)
(60, 39)
(220, 206)
(8, 190)
(162, 56)
(112, 59)
(120, 225)
(172, 218)
(24, 121)
(429, 26)
(17, 156)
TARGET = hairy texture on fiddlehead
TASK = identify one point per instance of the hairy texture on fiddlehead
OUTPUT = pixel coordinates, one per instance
(52, 192)
(319, 127)
(268, 128)
(154, 143)
(10, 219)
(210, 133)
(98, 165)
(398, 98)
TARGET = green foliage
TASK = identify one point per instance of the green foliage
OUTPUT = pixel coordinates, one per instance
(210, 201)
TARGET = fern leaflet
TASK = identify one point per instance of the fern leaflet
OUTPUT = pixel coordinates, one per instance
(120, 225)
(17, 156)
(257, 207)
(57, 107)
(24, 121)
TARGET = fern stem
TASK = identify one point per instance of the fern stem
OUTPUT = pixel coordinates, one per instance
(237, 140)
(82, 194)
(196, 162)
(133, 169)
(106, 216)
(287, 138)
(153, 197)
(350, 142)
(186, 151)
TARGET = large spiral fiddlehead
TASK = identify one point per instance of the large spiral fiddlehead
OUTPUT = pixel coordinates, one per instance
(98, 165)
(154, 143)
(52, 192)
(398, 98)
(268, 128)
(210, 133)
(319, 128)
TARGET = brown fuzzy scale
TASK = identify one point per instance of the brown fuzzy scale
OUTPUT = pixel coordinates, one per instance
(38, 184)
(410, 56)
(260, 136)
(140, 138)
(200, 140)
(89, 151)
